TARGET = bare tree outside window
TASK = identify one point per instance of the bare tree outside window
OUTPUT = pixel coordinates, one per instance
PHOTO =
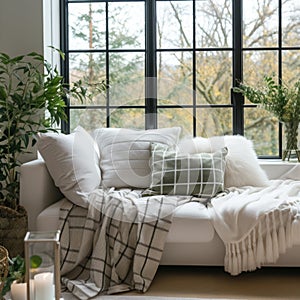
(194, 53)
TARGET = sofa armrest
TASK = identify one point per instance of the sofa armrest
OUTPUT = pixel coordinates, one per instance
(37, 190)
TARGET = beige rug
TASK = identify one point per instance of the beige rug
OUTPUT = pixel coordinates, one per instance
(189, 283)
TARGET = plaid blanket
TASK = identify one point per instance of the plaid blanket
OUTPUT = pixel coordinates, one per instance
(116, 244)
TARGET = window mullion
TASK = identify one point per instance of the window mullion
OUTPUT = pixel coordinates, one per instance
(64, 65)
(107, 67)
(280, 65)
(237, 99)
(194, 72)
(150, 66)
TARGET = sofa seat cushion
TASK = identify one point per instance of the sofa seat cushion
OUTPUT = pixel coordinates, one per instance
(191, 223)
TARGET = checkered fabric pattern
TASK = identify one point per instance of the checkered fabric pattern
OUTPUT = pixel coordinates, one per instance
(200, 174)
(116, 244)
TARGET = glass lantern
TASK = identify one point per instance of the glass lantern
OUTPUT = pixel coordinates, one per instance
(42, 262)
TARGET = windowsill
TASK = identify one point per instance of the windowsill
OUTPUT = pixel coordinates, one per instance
(277, 162)
(276, 168)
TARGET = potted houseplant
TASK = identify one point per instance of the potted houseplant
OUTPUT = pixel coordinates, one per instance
(283, 102)
(16, 274)
(31, 100)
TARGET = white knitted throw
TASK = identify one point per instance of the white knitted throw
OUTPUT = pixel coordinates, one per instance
(257, 224)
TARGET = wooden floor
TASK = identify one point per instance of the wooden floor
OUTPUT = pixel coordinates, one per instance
(213, 282)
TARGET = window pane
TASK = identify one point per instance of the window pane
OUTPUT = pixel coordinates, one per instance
(262, 128)
(87, 26)
(290, 66)
(182, 117)
(260, 23)
(213, 77)
(175, 78)
(127, 118)
(174, 24)
(90, 68)
(89, 119)
(214, 121)
(126, 25)
(213, 23)
(291, 23)
(126, 79)
(258, 64)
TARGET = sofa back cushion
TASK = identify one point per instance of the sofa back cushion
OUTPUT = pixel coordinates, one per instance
(125, 154)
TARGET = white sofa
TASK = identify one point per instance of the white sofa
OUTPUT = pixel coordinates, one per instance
(191, 240)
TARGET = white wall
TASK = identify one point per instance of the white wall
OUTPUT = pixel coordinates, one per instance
(25, 27)
(51, 31)
(21, 26)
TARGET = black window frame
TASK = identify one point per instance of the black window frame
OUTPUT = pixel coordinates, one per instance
(151, 107)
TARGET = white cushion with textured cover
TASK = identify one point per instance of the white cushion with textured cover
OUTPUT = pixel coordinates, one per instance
(125, 154)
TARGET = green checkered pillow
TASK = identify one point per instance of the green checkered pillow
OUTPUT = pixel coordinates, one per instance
(200, 174)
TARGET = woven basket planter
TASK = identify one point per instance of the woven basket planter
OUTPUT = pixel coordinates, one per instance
(3, 266)
(13, 228)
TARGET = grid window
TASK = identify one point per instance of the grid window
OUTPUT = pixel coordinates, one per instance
(174, 63)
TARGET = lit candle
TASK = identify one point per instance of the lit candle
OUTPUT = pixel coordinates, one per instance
(43, 286)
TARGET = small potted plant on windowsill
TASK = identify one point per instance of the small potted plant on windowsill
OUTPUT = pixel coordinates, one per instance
(283, 102)
(32, 97)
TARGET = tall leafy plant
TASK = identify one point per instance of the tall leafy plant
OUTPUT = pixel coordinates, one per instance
(32, 97)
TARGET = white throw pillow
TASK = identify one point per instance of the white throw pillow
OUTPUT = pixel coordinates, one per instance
(125, 154)
(242, 165)
(73, 163)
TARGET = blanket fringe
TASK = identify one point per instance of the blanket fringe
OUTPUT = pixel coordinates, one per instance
(296, 229)
(281, 236)
(275, 239)
(266, 241)
(260, 251)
